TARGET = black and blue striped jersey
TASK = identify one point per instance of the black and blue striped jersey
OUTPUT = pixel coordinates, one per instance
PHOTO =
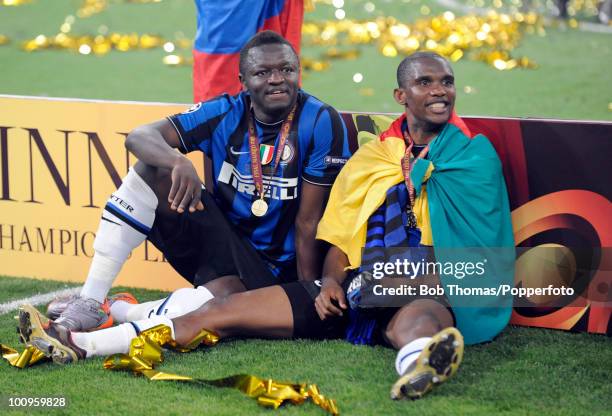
(315, 151)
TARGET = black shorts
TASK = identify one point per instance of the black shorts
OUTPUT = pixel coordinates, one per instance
(203, 245)
(306, 321)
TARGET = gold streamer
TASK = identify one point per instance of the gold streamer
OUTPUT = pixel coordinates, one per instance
(14, 2)
(586, 8)
(90, 7)
(145, 352)
(178, 60)
(100, 44)
(309, 5)
(489, 38)
(26, 358)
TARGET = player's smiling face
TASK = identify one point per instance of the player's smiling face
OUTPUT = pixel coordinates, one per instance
(428, 93)
(271, 77)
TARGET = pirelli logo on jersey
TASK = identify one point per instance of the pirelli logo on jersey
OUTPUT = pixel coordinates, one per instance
(275, 188)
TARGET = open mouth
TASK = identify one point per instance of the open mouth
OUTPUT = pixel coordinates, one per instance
(277, 93)
(439, 107)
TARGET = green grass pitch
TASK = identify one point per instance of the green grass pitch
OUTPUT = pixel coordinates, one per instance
(524, 371)
(573, 80)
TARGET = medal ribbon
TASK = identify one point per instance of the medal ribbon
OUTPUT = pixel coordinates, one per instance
(256, 168)
(407, 165)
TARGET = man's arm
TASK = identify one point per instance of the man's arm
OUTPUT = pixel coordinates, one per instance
(332, 300)
(154, 144)
(312, 205)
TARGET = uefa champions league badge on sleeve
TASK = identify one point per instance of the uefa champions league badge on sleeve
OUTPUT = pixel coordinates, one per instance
(193, 108)
(335, 161)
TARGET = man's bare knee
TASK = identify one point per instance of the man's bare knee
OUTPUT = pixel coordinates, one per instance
(158, 179)
(208, 316)
(224, 286)
(146, 172)
(410, 328)
(419, 319)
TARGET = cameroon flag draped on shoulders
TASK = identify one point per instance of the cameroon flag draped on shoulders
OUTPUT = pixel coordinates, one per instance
(462, 209)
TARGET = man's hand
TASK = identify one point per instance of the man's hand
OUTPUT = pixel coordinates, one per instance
(154, 145)
(186, 188)
(331, 300)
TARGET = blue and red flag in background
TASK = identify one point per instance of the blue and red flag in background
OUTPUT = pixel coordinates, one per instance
(224, 26)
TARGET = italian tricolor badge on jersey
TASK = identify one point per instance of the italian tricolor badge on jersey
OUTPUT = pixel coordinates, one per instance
(266, 153)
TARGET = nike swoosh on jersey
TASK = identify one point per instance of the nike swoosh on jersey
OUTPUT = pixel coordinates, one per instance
(235, 153)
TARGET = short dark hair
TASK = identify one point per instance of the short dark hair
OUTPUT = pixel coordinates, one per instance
(267, 37)
(405, 68)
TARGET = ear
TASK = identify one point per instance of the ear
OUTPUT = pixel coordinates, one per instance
(400, 96)
(241, 78)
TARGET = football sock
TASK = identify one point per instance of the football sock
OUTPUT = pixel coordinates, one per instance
(114, 340)
(409, 353)
(126, 220)
(179, 302)
(144, 324)
(117, 339)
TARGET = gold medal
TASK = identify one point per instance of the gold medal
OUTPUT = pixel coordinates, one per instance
(411, 221)
(259, 208)
(407, 165)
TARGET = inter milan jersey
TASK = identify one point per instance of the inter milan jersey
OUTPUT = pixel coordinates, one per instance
(315, 151)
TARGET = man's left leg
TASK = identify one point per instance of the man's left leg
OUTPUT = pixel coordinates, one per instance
(430, 348)
(263, 312)
(179, 302)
